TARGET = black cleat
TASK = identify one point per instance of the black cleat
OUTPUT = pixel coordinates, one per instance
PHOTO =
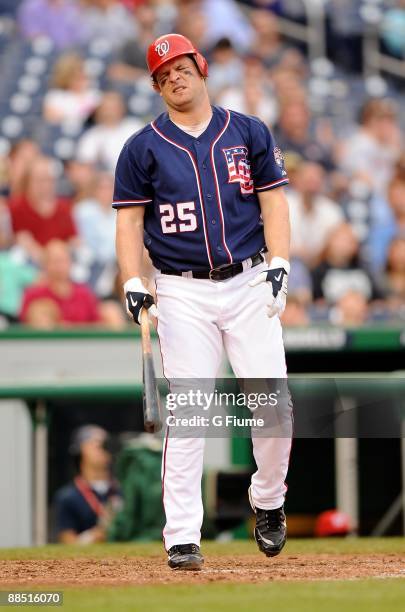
(271, 530)
(185, 557)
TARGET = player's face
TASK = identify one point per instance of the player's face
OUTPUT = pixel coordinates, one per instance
(179, 83)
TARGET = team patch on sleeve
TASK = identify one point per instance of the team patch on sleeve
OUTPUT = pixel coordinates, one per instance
(239, 168)
(279, 159)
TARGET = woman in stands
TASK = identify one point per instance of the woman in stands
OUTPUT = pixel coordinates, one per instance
(71, 98)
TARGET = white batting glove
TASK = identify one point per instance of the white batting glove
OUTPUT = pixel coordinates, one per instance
(138, 297)
(277, 278)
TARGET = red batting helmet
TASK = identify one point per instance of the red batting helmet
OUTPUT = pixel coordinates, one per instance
(332, 523)
(166, 48)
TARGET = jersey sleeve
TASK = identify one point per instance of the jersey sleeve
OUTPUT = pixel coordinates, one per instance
(132, 186)
(267, 159)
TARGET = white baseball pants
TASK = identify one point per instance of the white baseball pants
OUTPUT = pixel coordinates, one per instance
(197, 319)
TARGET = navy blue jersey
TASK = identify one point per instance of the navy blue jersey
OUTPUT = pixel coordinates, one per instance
(73, 511)
(200, 194)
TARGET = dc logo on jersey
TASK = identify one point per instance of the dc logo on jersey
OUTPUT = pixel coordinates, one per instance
(239, 168)
(162, 48)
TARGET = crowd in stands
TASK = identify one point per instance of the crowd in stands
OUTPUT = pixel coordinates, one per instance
(76, 87)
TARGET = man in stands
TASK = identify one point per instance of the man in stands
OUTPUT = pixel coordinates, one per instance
(39, 215)
(56, 300)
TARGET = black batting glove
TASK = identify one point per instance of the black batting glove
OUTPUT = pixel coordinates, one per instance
(138, 297)
(277, 278)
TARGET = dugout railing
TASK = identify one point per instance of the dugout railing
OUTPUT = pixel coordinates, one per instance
(40, 366)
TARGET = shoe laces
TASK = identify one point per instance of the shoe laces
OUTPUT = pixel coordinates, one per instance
(184, 549)
(273, 519)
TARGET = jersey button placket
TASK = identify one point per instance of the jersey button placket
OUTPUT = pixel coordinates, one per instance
(211, 209)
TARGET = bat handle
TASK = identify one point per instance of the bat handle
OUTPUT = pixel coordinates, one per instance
(145, 329)
(151, 401)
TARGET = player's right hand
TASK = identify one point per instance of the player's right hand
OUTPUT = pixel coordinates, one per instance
(138, 297)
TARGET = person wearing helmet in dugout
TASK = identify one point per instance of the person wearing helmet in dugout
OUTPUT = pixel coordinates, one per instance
(85, 508)
(201, 187)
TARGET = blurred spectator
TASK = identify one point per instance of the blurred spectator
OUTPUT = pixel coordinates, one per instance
(345, 28)
(294, 9)
(15, 276)
(225, 18)
(78, 179)
(351, 310)
(313, 215)
(56, 300)
(335, 171)
(274, 5)
(216, 19)
(5, 225)
(108, 20)
(370, 154)
(85, 508)
(20, 157)
(299, 295)
(39, 215)
(59, 20)
(294, 132)
(267, 41)
(3, 173)
(287, 85)
(254, 95)
(399, 168)
(341, 271)
(394, 278)
(292, 63)
(295, 313)
(95, 220)
(102, 143)
(70, 97)
(130, 62)
(299, 281)
(393, 29)
(226, 67)
(194, 23)
(388, 221)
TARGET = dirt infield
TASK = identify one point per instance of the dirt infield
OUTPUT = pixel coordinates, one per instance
(115, 571)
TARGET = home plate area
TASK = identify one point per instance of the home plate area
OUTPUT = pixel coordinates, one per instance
(126, 570)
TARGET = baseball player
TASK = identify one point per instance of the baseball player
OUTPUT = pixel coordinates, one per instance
(201, 187)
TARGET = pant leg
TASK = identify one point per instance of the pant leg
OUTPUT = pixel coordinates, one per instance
(255, 348)
(191, 347)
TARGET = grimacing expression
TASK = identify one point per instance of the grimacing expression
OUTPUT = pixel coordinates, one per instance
(179, 82)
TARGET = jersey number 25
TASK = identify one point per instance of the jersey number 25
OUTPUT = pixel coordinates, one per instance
(179, 217)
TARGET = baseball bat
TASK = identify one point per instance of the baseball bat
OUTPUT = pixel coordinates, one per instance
(151, 400)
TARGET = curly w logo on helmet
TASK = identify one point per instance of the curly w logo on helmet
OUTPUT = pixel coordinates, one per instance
(162, 48)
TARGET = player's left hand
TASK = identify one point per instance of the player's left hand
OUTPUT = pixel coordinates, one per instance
(277, 278)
